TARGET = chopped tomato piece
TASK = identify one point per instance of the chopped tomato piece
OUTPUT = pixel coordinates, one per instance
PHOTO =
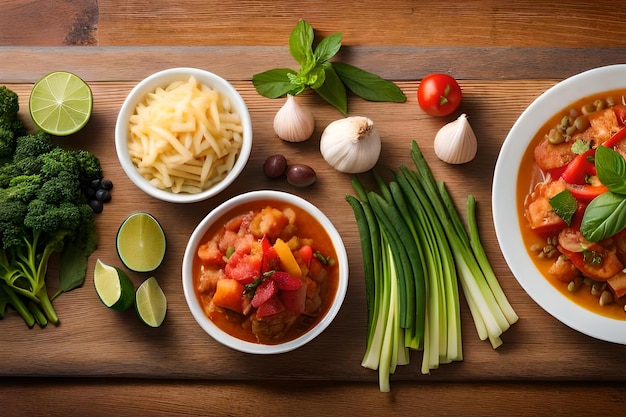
(266, 290)
(270, 307)
(294, 300)
(286, 281)
(243, 267)
(306, 254)
(229, 294)
(591, 258)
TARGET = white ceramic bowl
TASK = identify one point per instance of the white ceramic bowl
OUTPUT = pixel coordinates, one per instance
(197, 238)
(162, 79)
(504, 201)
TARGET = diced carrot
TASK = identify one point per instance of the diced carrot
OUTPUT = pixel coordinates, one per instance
(229, 294)
(287, 260)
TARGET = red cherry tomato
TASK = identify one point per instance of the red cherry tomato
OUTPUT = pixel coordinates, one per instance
(439, 94)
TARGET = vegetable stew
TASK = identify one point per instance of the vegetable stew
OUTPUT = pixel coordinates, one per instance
(266, 273)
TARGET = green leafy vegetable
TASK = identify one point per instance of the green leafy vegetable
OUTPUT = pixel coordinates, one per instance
(606, 214)
(328, 79)
(564, 205)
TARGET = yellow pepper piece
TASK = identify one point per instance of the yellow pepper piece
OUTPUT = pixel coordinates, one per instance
(287, 259)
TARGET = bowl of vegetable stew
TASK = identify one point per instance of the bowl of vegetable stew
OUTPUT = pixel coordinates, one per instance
(558, 212)
(183, 135)
(265, 272)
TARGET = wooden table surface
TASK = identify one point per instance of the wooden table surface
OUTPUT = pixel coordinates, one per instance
(97, 363)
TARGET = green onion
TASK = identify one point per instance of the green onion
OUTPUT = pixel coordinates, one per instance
(416, 250)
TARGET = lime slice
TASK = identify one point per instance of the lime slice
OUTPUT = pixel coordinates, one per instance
(151, 303)
(113, 286)
(60, 103)
(141, 242)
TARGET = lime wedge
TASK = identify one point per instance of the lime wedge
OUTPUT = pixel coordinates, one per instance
(151, 303)
(141, 242)
(60, 103)
(113, 286)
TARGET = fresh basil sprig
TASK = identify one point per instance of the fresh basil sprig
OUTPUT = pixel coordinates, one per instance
(606, 214)
(328, 79)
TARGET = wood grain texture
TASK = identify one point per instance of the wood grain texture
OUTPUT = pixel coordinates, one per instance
(93, 341)
(394, 22)
(98, 398)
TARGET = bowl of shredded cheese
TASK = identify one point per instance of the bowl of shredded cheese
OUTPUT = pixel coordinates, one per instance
(183, 135)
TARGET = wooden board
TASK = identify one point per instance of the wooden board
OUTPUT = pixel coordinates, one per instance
(93, 341)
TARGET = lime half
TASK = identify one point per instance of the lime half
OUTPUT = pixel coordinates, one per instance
(141, 242)
(60, 103)
(151, 303)
(113, 286)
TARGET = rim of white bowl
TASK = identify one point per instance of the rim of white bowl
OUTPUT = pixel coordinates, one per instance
(256, 348)
(161, 79)
(504, 201)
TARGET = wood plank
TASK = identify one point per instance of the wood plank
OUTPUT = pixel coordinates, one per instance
(401, 63)
(94, 397)
(398, 22)
(93, 341)
(66, 22)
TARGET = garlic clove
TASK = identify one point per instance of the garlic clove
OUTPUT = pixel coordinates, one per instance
(455, 142)
(293, 122)
(351, 145)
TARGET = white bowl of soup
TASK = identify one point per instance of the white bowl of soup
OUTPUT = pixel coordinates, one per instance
(265, 272)
(549, 195)
(183, 135)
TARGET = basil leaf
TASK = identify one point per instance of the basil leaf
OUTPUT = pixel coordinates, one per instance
(301, 43)
(367, 85)
(611, 169)
(564, 205)
(604, 216)
(328, 47)
(333, 90)
(274, 83)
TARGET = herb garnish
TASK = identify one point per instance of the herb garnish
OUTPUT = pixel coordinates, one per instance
(564, 205)
(606, 214)
(328, 79)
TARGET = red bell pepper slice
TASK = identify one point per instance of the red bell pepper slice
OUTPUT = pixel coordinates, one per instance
(270, 261)
(581, 168)
(585, 192)
(616, 138)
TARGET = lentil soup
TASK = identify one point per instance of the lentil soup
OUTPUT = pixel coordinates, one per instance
(592, 121)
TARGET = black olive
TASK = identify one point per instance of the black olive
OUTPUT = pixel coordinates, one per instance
(95, 183)
(275, 166)
(96, 206)
(103, 195)
(300, 175)
(107, 184)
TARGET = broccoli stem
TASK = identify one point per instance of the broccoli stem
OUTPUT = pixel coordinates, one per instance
(7, 293)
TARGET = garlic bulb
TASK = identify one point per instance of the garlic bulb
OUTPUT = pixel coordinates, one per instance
(293, 122)
(351, 145)
(455, 143)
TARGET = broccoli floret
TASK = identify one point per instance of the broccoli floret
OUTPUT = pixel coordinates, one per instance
(9, 105)
(89, 166)
(7, 143)
(44, 211)
(32, 145)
